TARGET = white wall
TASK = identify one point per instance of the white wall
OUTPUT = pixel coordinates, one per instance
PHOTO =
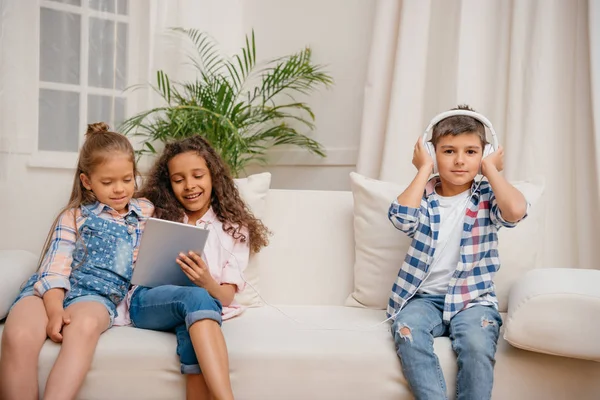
(339, 32)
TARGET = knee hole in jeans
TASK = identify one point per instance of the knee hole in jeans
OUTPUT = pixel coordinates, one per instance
(405, 333)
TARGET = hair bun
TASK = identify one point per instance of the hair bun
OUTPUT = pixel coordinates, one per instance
(97, 127)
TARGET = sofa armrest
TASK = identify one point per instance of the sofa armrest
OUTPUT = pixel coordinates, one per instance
(555, 311)
(16, 266)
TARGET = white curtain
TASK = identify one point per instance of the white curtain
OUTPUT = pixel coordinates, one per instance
(594, 35)
(523, 64)
(7, 145)
(161, 48)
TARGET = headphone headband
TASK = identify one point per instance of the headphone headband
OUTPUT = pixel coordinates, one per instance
(479, 117)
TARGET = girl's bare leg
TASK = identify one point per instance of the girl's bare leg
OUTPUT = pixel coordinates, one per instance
(196, 388)
(211, 351)
(23, 337)
(88, 320)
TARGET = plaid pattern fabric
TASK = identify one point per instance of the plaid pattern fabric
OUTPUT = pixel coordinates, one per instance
(472, 281)
(55, 269)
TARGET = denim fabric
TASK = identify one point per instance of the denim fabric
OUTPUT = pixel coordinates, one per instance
(174, 309)
(473, 333)
(102, 264)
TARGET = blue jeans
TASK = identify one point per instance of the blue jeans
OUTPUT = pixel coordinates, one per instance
(174, 309)
(474, 335)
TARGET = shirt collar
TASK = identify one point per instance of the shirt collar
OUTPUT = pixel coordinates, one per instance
(431, 184)
(133, 209)
(208, 217)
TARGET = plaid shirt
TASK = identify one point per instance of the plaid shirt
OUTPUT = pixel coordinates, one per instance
(55, 269)
(472, 281)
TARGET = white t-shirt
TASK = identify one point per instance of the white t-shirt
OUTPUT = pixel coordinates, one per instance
(447, 249)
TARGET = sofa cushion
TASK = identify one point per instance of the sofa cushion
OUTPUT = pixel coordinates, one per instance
(329, 352)
(253, 191)
(129, 363)
(310, 258)
(335, 352)
(555, 311)
(380, 248)
(16, 266)
(311, 352)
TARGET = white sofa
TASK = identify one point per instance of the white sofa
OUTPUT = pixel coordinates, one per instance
(315, 347)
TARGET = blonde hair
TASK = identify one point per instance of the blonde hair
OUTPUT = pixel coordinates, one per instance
(99, 143)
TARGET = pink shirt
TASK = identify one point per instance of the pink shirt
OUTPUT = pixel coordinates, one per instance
(225, 257)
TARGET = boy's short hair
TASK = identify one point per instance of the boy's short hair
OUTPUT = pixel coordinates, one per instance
(457, 125)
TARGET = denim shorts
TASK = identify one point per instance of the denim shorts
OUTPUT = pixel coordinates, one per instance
(91, 296)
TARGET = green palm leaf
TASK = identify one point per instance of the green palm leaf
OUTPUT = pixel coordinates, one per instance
(242, 107)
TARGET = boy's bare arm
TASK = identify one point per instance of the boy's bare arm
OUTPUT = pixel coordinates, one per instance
(412, 195)
(511, 202)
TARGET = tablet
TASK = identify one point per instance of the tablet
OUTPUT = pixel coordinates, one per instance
(161, 243)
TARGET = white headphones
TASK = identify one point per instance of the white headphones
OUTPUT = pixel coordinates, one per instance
(489, 148)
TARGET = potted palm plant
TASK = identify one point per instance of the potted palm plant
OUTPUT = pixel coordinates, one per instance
(241, 106)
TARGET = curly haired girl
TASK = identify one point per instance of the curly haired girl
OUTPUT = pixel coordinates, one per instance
(190, 183)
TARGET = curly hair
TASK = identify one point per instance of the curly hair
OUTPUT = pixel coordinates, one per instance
(225, 199)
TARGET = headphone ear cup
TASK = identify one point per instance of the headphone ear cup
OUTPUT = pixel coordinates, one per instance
(487, 150)
(431, 150)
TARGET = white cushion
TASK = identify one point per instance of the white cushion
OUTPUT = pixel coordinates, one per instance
(16, 266)
(555, 311)
(319, 353)
(129, 363)
(315, 352)
(253, 191)
(380, 248)
(520, 248)
(310, 258)
(270, 357)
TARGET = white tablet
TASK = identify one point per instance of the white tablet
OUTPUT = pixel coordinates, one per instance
(161, 243)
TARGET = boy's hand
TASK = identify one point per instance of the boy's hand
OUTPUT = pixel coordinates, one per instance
(196, 269)
(56, 321)
(494, 161)
(421, 158)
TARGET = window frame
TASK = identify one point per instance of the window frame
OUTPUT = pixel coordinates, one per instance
(137, 25)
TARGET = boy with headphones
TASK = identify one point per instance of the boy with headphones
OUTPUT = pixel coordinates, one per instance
(445, 285)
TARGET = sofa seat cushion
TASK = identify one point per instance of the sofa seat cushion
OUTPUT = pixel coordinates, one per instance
(269, 353)
(274, 357)
(336, 352)
(129, 363)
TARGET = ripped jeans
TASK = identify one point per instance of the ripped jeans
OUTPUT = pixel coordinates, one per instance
(473, 333)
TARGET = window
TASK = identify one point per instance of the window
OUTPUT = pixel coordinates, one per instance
(83, 70)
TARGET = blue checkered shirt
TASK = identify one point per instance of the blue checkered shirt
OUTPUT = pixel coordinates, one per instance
(472, 281)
